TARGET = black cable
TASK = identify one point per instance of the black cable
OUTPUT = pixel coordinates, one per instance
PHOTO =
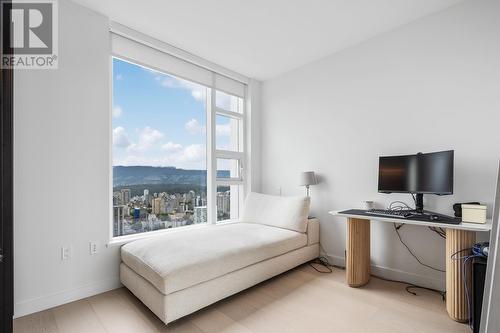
(439, 231)
(403, 205)
(411, 252)
(442, 293)
(460, 251)
(413, 286)
(321, 261)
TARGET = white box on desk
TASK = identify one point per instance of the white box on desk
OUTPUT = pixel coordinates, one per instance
(474, 213)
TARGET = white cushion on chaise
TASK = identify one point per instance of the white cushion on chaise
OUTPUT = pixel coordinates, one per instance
(282, 212)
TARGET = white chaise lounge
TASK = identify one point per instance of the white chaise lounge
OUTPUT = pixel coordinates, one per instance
(181, 272)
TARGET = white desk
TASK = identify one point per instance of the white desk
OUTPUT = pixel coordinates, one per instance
(458, 237)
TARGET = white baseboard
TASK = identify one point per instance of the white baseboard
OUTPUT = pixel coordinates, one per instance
(66, 296)
(396, 274)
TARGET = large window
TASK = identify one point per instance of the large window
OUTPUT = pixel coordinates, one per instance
(177, 151)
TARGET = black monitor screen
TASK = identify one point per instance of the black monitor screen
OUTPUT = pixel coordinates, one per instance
(421, 173)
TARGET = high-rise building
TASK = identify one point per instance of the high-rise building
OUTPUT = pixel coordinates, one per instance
(147, 198)
(155, 206)
(190, 200)
(223, 204)
(125, 195)
(200, 214)
(173, 204)
(158, 206)
(117, 198)
(118, 219)
(203, 199)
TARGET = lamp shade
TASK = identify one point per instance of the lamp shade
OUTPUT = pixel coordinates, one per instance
(308, 178)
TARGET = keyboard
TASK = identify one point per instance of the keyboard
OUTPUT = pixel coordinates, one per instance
(408, 214)
(391, 213)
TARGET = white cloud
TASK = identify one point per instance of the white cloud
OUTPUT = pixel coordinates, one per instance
(117, 111)
(180, 156)
(120, 137)
(190, 157)
(147, 137)
(193, 153)
(171, 147)
(193, 126)
(150, 135)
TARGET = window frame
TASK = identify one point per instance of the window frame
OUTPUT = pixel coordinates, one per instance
(211, 152)
(226, 154)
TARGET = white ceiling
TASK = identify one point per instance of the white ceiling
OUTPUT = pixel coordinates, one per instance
(264, 38)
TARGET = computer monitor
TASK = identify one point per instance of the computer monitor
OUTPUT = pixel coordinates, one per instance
(430, 173)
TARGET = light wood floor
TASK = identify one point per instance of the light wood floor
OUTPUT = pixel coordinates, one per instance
(301, 300)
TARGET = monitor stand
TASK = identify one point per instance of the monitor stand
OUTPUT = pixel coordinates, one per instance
(419, 203)
(419, 210)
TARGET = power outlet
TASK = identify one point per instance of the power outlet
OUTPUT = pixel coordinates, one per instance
(65, 252)
(94, 248)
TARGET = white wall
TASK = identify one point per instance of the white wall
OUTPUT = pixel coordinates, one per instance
(431, 85)
(253, 111)
(61, 161)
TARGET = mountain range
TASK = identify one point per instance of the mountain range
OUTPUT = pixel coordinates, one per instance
(138, 175)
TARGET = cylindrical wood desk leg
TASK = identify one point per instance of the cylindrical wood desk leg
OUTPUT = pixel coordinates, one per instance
(456, 299)
(358, 252)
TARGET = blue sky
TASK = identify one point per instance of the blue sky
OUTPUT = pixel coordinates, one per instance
(159, 119)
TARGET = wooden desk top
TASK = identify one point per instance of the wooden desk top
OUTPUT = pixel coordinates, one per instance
(462, 226)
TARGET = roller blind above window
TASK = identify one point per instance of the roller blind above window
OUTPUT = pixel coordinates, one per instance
(128, 49)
